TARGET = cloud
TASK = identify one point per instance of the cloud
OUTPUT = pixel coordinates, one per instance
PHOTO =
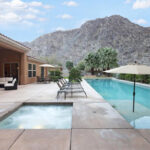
(70, 3)
(141, 21)
(28, 23)
(65, 16)
(128, 1)
(10, 17)
(141, 4)
(20, 12)
(35, 4)
(30, 16)
(39, 4)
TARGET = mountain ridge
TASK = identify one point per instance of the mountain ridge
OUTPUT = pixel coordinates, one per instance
(131, 41)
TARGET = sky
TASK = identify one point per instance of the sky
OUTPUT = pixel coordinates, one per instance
(25, 20)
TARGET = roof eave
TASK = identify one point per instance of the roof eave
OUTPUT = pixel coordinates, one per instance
(13, 44)
(35, 59)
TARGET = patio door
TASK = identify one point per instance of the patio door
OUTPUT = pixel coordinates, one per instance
(11, 70)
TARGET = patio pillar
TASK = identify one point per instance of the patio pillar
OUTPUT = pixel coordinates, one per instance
(1, 69)
(23, 69)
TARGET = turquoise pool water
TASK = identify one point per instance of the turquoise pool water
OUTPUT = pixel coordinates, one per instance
(120, 95)
(39, 117)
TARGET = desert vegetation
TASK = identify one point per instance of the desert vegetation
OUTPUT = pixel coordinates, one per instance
(102, 59)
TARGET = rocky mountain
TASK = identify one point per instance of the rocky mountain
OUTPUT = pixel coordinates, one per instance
(131, 41)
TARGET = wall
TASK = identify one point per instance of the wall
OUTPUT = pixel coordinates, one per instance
(38, 71)
(8, 56)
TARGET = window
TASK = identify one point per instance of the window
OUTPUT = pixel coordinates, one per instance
(29, 66)
(31, 70)
(34, 70)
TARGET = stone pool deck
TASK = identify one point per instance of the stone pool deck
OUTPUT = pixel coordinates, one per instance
(95, 124)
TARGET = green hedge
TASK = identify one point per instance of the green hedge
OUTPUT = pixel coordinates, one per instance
(139, 78)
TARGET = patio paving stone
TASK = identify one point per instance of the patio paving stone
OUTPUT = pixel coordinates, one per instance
(8, 137)
(108, 139)
(97, 115)
(43, 140)
(5, 108)
(145, 133)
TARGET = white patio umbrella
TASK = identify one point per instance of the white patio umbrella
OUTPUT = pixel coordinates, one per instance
(135, 69)
(47, 66)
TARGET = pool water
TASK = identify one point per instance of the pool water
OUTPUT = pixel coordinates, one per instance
(39, 117)
(120, 95)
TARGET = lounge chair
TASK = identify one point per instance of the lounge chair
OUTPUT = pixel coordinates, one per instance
(11, 86)
(67, 82)
(69, 89)
(70, 85)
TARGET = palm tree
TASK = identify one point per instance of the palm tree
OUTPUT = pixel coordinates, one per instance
(108, 58)
(92, 61)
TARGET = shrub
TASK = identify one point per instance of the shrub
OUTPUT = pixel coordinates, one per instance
(69, 65)
(55, 75)
(81, 66)
(139, 78)
(75, 75)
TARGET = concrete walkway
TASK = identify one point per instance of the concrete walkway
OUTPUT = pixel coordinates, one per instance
(95, 124)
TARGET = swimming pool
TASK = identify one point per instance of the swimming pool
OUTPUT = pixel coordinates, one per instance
(120, 94)
(39, 117)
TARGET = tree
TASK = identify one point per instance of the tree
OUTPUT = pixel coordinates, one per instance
(92, 61)
(75, 75)
(69, 65)
(107, 58)
(81, 66)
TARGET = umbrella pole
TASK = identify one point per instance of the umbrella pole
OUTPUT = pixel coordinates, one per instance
(134, 92)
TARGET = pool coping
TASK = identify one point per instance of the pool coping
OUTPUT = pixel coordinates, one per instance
(91, 88)
(10, 111)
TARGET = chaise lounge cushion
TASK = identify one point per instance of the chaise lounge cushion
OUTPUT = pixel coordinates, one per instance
(10, 84)
(5, 80)
(2, 81)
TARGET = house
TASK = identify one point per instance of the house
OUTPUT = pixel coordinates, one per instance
(14, 62)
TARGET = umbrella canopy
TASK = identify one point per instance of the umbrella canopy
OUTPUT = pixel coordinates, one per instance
(47, 66)
(134, 69)
(131, 69)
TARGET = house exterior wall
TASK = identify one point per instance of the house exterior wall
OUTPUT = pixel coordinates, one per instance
(10, 56)
(11, 52)
(38, 71)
